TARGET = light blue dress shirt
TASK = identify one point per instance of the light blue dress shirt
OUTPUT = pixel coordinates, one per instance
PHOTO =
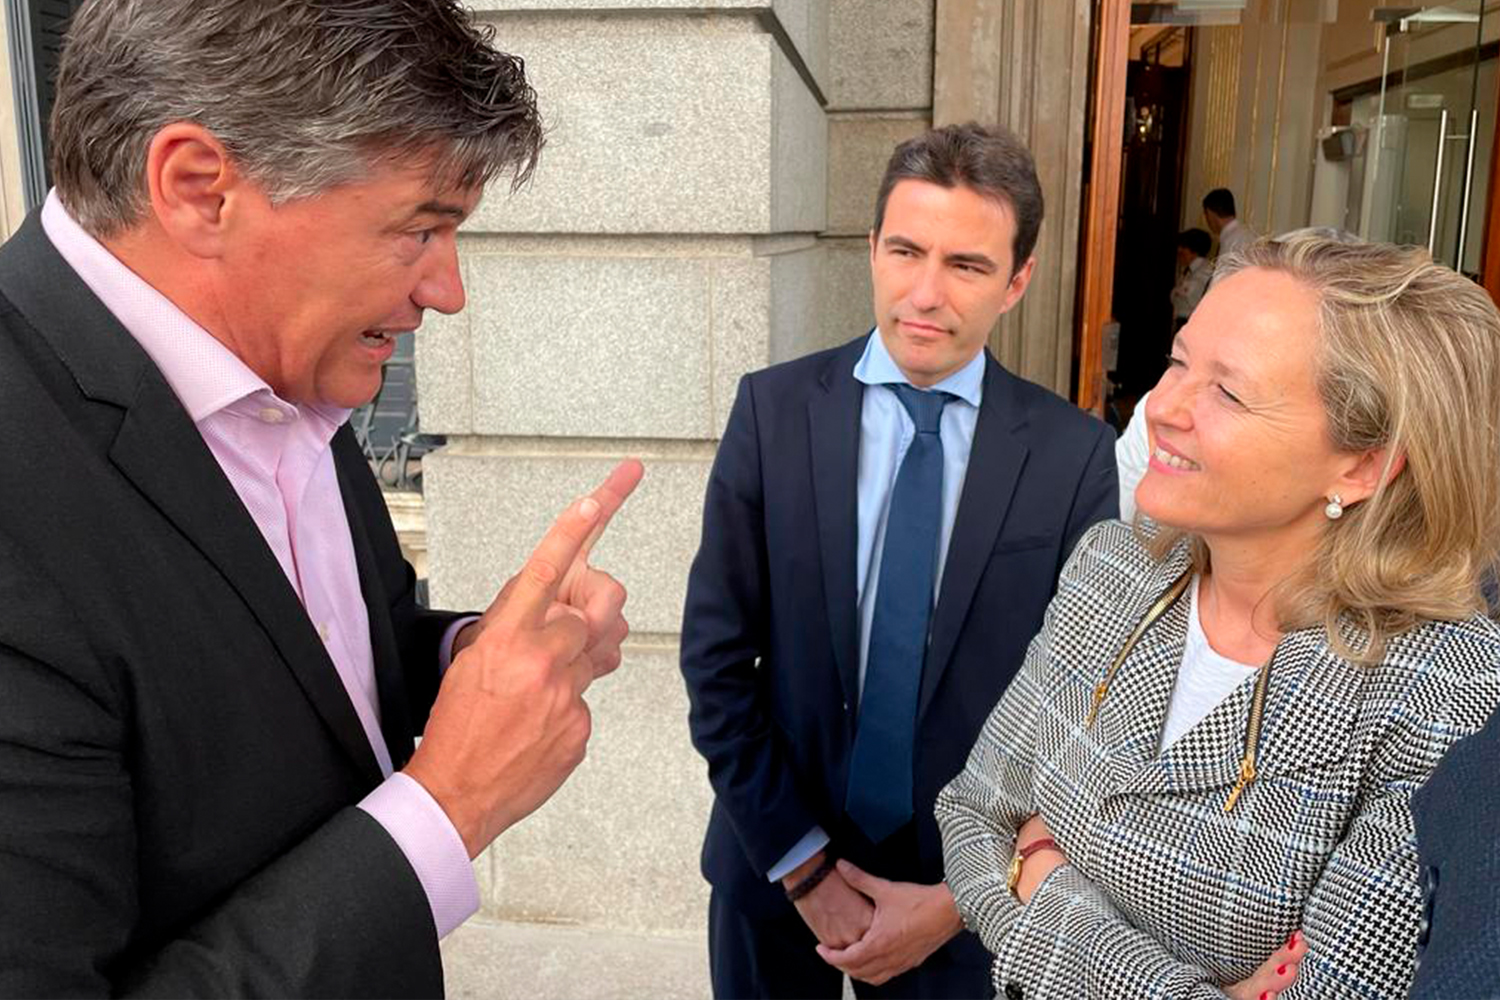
(885, 432)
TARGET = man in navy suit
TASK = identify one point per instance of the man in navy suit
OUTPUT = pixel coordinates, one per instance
(1460, 853)
(839, 671)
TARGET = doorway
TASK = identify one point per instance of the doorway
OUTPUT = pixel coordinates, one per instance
(1353, 114)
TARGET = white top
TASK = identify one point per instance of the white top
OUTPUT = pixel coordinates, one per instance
(1190, 287)
(1204, 679)
(1132, 455)
(1235, 236)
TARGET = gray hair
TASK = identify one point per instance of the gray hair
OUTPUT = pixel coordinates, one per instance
(305, 95)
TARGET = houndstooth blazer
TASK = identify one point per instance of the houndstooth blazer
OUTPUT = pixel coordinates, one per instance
(1166, 895)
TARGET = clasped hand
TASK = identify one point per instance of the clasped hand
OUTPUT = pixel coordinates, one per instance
(510, 723)
(873, 929)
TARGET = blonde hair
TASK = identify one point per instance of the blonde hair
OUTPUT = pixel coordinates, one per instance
(1408, 359)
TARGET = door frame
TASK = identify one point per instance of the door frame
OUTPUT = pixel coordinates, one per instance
(1101, 199)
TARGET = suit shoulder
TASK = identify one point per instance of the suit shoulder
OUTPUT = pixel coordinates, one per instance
(1050, 413)
(1448, 656)
(806, 370)
(1115, 545)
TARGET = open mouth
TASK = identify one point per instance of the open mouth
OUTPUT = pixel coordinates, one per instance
(376, 338)
(1172, 461)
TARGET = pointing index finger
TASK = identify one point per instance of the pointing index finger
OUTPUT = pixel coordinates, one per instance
(611, 495)
(567, 542)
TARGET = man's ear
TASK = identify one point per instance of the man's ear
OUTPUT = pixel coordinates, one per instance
(194, 187)
(1018, 283)
(1365, 472)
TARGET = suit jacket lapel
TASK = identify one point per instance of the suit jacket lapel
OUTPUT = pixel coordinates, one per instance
(1134, 712)
(160, 451)
(833, 417)
(1311, 703)
(395, 718)
(995, 462)
(1131, 718)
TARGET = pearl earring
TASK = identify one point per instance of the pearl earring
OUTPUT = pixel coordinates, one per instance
(1335, 508)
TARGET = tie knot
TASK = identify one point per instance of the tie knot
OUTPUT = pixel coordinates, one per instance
(925, 408)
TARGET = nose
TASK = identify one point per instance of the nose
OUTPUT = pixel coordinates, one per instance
(441, 286)
(928, 293)
(1168, 403)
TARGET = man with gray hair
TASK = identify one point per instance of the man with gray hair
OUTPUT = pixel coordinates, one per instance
(212, 664)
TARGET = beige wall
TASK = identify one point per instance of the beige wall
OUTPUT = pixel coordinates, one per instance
(12, 200)
(1262, 92)
(1025, 65)
(1253, 123)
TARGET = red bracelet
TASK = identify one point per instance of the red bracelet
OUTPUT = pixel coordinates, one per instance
(1045, 844)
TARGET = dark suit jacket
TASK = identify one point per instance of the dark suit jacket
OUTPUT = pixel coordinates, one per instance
(179, 761)
(770, 643)
(1459, 846)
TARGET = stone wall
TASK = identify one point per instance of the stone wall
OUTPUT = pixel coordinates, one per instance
(700, 212)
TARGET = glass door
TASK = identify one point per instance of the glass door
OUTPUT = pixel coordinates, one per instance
(1431, 131)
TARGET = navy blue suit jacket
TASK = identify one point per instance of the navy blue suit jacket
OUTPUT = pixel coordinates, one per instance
(770, 644)
(1459, 845)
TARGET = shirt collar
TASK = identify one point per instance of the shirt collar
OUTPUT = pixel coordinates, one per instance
(875, 367)
(205, 375)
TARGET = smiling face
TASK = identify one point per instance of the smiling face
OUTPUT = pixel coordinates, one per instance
(312, 293)
(941, 267)
(1240, 441)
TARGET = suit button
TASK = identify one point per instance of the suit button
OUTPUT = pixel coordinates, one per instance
(1013, 991)
(1429, 893)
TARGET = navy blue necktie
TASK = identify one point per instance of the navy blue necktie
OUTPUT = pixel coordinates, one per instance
(880, 769)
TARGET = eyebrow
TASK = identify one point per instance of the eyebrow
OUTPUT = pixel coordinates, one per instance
(445, 208)
(1217, 367)
(976, 259)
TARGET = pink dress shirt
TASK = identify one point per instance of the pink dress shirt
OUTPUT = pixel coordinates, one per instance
(276, 456)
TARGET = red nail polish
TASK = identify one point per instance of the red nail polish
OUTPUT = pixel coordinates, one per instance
(1291, 942)
(1266, 996)
(1281, 970)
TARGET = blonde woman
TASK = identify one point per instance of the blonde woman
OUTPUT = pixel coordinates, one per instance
(1214, 739)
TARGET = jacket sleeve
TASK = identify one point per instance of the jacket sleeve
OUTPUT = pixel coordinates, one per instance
(339, 913)
(725, 634)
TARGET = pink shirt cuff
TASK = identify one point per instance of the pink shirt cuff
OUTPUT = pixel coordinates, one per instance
(436, 852)
(445, 648)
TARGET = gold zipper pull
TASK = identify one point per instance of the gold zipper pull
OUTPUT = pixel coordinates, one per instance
(1099, 694)
(1247, 775)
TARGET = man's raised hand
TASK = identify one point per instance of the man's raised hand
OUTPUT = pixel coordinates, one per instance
(510, 723)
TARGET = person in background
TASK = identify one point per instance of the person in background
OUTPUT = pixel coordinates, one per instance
(1210, 752)
(1194, 271)
(1218, 213)
(863, 499)
(212, 663)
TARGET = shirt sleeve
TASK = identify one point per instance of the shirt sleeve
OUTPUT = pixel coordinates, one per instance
(445, 648)
(433, 847)
(803, 849)
(1132, 453)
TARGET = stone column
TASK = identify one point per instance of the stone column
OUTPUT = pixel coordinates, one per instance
(1025, 65)
(880, 93)
(667, 244)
